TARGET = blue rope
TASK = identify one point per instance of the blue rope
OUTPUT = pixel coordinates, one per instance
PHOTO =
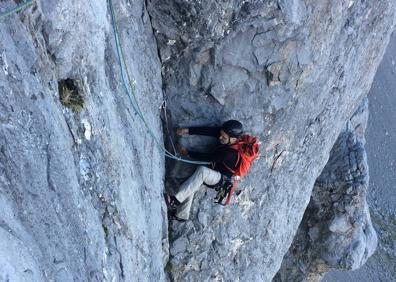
(16, 9)
(132, 97)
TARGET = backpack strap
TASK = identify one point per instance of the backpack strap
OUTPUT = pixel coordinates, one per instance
(234, 185)
(237, 161)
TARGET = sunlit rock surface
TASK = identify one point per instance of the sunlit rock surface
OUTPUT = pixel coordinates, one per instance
(81, 179)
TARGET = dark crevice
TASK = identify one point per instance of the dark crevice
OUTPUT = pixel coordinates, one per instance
(122, 268)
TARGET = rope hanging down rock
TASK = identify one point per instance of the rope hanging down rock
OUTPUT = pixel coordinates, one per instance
(129, 88)
(18, 8)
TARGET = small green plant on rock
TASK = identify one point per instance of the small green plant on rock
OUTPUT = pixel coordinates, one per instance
(168, 267)
(69, 95)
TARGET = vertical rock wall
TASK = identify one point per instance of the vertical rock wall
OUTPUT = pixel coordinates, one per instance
(336, 231)
(81, 180)
(293, 72)
(80, 189)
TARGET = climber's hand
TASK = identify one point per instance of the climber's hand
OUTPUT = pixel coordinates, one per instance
(182, 151)
(182, 131)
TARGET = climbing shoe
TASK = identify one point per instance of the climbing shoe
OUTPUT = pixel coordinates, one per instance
(172, 216)
(171, 201)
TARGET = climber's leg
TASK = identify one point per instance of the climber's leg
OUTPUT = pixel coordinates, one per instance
(202, 175)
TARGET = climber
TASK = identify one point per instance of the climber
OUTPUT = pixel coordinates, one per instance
(225, 160)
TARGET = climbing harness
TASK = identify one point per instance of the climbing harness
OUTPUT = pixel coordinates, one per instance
(18, 8)
(223, 189)
(225, 192)
(131, 94)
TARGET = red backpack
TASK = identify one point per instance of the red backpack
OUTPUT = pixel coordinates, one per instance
(248, 151)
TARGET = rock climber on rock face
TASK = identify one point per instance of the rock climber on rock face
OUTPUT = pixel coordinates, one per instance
(224, 159)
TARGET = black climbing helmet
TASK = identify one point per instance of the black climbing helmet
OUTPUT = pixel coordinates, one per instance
(233, 128)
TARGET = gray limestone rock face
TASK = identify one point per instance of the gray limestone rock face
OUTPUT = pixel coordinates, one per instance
(293, 72)
(80, 188)
(336, 231)
(81, 179)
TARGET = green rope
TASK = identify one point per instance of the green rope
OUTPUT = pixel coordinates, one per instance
(131, 95)
(16, 9)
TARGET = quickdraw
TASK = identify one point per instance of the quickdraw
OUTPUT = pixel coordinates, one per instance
(226, 192)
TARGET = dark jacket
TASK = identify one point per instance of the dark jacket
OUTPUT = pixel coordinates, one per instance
(222, 156)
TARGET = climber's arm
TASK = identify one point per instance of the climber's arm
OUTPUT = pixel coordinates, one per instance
(200, 130)
(205, 157)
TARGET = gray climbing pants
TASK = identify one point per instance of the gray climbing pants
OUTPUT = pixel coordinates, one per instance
(202, 175)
